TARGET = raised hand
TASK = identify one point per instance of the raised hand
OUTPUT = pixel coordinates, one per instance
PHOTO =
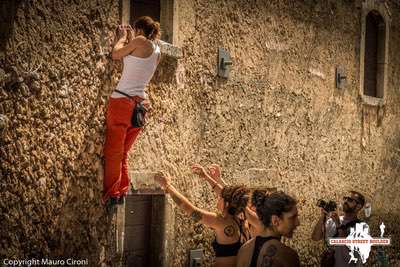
(130, 32)
(214, 171)
(199, 170)
(162, 179)
(122, 32)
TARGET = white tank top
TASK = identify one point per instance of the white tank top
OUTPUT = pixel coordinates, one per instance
(136, 74)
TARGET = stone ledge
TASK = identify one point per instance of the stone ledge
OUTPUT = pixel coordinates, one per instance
(170, 50)
(143, 183)
(147, 191)
(372, 101)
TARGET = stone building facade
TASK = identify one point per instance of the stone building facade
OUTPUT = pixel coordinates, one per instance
(279, 120)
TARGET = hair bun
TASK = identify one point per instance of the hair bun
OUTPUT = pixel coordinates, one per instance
(273, 203)
(236, 197)
(150, 27)
(258, 197)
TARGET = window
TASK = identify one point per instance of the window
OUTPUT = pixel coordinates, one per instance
(145, 8)
(159, 10)
(374, 51)
(374, 55)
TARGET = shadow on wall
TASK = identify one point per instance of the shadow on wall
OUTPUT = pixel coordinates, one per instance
(8, 10)
(165, 72)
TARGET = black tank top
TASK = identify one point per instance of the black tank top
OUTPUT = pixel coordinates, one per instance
(260, 241)
(228, 250)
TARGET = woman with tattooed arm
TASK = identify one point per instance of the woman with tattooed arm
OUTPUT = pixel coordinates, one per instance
(251, 223)
(229, 235)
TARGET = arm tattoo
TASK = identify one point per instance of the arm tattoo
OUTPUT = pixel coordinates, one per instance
(229, 230)
(177, 200)
(196, 216)
(271, 251)
(267, 260)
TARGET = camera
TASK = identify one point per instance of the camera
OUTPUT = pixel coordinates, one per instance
(328, 206)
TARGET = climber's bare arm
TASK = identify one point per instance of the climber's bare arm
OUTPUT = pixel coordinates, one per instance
(125, 42)
(209, 219)
(199, 170)
(214, 170)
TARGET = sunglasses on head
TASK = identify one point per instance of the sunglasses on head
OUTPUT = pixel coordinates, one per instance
(350, 199)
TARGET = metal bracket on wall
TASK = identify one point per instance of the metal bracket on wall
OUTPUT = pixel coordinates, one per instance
(196, 258)
(224, 63)
(340, 78)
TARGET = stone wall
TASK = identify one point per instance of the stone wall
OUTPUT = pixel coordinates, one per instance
(55, 80)
(277, 121)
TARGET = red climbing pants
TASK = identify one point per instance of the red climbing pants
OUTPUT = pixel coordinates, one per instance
(119, 138)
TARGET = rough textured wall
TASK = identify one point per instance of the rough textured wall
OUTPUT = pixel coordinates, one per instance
(54, 82)
(279, 120)
(55, 79)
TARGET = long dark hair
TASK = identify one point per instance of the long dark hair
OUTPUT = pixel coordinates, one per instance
(236, 197)
(275, 203)
(150, 28)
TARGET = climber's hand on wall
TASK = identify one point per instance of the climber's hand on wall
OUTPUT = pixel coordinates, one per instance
(129, 36)
(122, 32)
(214, 171)
(131, 33)
(162, 179)
(199, 170)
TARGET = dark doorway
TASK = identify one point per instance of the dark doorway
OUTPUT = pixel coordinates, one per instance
(8, 10)
(144, 230)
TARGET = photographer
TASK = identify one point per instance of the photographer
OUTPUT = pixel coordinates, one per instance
(331, 225)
